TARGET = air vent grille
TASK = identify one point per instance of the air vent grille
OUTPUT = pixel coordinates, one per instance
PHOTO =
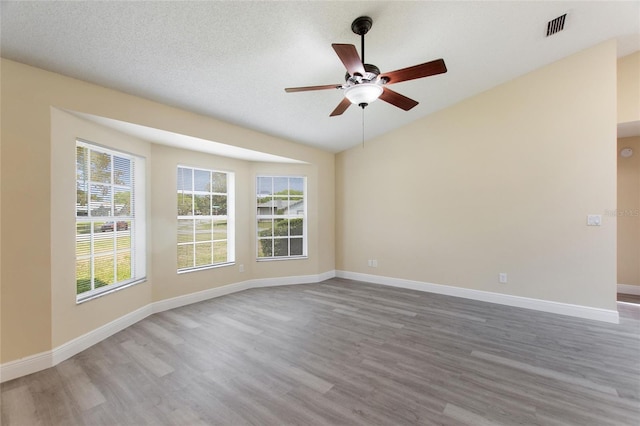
(556, 25)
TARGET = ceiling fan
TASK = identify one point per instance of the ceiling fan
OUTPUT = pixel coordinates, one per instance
(364, 83)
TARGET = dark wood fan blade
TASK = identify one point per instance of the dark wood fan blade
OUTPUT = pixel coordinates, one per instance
(342, 107)
(349, 57)
(395, 98)
(308, 88)
(417, 71)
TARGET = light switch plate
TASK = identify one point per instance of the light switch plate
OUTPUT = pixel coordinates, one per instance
(594, 220)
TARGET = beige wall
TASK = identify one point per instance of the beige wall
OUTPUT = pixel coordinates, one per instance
(38, 310)
(628, 213)
(501, 182)
(629, 88)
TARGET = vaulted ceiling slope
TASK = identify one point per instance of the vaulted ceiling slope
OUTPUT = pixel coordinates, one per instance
(232, 60)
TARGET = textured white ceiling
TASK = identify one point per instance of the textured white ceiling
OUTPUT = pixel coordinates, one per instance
(232, 60)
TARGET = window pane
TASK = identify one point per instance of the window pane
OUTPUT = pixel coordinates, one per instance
(265, 247)
(296, 246)
(281, 247)
(185, 179)
(266, 206)
(219, 182)
(202, 205)
(185, 230)
(281, 185)
(185, 256)
(295, 227)
(81, 163)
(185, 204)
(103, 242)
(100, 167)
(123, 236)
(204, 229)
(100, 200)
(203, 254)
(281, 205)
(83, 275)
(265, 186)
(220, 230)
(121, 171)
(220, 251)
(83, 228)
(265, 228)
(82, 181)
(123, 266)
(202, 180)
(104, 270)
(219, 205)
(296, 185)
(281, 228)
(122, 202)
(296, 206)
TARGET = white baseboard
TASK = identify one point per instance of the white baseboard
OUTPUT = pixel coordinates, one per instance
(188, 299)
(629, 289)
(31, 364)
(34, 363)
(27, 365)
(79, 344)
(587, 312)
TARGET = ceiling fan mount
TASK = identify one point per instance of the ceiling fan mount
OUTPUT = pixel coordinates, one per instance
(361, 25)
(364, 83)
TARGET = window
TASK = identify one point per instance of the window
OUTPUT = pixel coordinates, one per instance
(281, 215)
(205, 218)
(110, 237)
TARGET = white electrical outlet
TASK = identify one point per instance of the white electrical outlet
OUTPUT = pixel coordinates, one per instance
(375, 263)
(241, 268)
(594, 220)
(502, 277)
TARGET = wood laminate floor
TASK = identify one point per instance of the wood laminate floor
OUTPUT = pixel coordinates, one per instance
(344, 353)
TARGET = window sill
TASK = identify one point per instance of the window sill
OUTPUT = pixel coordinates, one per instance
(206, 267)
(85, 298)
(276, 259)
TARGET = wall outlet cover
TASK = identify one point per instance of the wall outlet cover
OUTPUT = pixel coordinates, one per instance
(594, 220)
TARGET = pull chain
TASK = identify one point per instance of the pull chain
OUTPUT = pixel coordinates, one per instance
(362, 128)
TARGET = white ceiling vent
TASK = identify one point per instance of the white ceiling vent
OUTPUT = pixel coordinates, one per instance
(556, 25)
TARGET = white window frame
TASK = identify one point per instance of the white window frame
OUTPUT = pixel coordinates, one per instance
(229, 218)
(274, 217)
(137, 218)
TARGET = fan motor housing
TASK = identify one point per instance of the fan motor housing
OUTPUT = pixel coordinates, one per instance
(371, 72)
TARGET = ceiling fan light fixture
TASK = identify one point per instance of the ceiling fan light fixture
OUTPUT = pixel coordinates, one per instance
(363, 93)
